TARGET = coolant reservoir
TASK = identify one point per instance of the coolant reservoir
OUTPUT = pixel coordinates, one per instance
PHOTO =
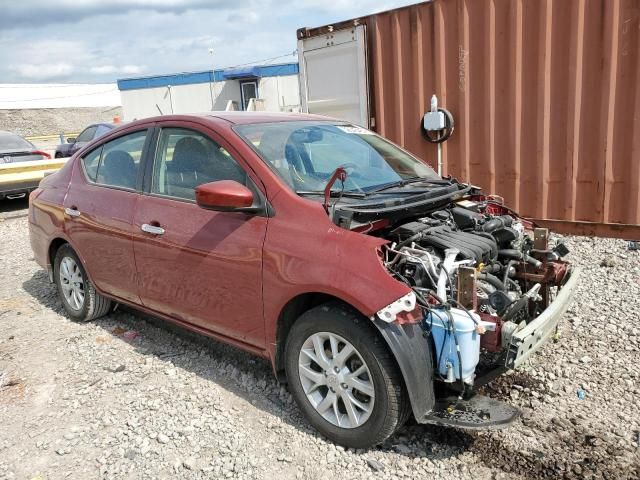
(442, 329)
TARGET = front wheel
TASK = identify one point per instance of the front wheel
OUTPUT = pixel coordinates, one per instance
(79, 297)
(344, 378)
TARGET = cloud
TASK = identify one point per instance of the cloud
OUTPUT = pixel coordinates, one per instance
(243, 20)
(97, 41)
(112, 69)
(103, 69)
(32, 71)
(25, 12)
(132, 69)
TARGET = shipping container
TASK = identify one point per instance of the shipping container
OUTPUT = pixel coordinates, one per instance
(545, 95)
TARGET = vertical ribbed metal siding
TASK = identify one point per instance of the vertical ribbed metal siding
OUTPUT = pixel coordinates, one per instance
(544, 92)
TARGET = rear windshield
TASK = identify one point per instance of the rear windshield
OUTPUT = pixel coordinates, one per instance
(9, 141)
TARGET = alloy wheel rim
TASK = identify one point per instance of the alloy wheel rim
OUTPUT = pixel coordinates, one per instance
(336, 380)
(72, 283)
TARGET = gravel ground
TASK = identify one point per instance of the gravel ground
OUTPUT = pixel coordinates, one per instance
(128, 396)
(52, 121)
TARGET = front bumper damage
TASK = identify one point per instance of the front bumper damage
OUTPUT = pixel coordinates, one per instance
(527, 341)
(412, 348)
(475, 413)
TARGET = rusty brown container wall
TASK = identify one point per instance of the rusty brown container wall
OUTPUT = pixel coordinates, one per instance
(545, 94)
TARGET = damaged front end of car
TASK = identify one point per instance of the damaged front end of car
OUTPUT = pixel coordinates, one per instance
(487, 290)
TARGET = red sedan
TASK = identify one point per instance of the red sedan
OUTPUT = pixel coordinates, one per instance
(377, 289)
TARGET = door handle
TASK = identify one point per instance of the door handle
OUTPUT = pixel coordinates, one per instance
(72, 212)
(154, 230)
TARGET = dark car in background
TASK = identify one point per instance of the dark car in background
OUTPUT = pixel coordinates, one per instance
(88, 134)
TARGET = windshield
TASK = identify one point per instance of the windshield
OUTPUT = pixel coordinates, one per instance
(306, 153)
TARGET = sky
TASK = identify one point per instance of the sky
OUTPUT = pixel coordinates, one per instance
(95, 41)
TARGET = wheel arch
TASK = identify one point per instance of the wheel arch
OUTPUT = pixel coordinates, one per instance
(294, 309)
(291, 311)
(54, 246)
(410, 348)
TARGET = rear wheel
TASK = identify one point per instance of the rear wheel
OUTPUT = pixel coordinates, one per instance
(78, 295)
(343, 377)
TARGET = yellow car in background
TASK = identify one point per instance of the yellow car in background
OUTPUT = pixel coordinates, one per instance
(22, 165)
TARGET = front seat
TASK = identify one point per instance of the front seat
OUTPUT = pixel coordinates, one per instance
(226, 168)
(188, 166)
(119, 169)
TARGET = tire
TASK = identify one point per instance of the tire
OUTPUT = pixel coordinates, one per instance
(93, 305)
(390, 405)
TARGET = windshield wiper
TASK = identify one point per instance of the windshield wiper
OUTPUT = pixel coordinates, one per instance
(334, 193)
(402, 183)
(365, 194)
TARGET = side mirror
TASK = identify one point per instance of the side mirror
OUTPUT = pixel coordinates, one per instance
(71, 140)
(225, 196)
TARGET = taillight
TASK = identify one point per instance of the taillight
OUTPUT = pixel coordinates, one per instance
(40, 152)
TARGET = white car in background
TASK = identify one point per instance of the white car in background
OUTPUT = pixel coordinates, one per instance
(22, 165)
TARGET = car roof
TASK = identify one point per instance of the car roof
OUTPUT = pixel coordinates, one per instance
(236, 117)
(6, 132)
(233, 118)
(266, 117)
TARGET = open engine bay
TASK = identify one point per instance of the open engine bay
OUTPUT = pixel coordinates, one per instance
(479, 274)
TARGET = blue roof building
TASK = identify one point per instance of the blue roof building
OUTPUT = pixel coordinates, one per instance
(273, 88)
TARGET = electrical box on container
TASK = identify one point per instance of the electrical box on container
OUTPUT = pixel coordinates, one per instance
(434, 121)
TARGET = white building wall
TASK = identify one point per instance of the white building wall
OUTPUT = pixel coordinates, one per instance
(146, 102)
(279, 93)
(225, 91)
(192, 98)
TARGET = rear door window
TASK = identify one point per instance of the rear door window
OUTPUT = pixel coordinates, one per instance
(116, 163)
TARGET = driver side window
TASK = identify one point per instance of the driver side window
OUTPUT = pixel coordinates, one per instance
(186, 159)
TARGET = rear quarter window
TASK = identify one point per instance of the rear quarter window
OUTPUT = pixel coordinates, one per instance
(91, 161)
